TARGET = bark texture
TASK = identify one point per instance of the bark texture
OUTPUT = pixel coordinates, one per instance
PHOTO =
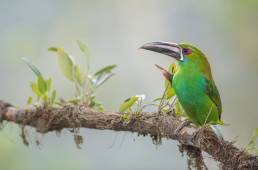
(156, 125)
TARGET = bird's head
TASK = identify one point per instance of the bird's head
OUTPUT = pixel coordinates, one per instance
(183, 52)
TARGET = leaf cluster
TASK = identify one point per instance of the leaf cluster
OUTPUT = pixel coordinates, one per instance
(42, 88)
(85, 83)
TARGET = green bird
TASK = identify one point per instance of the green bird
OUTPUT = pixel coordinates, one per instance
(192, 82)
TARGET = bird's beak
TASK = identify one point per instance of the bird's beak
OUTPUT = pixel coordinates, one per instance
(167, 48)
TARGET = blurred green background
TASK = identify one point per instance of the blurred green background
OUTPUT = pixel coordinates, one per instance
(227, 31)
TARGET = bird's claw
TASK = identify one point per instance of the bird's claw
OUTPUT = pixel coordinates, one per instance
(181, 126)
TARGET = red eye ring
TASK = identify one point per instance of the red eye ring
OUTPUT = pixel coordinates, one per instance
(186, 51)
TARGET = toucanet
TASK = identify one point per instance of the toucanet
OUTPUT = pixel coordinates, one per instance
(192, 82)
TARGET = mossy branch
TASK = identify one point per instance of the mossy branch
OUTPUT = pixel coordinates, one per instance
(156, 125)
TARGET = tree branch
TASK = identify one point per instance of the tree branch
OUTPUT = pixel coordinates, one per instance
(156, 125)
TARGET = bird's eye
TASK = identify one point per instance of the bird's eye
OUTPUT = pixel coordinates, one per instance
(186, 51)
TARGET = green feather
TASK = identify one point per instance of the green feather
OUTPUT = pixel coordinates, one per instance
(195, 88)
(213, 93)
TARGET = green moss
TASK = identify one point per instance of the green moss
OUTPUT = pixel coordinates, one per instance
(127, 117)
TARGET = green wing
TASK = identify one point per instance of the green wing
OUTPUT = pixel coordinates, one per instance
(213, 93)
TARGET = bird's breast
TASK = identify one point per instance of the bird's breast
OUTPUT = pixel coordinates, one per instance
(189, 87)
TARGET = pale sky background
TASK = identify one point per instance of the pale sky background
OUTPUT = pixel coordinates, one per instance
(115, 29)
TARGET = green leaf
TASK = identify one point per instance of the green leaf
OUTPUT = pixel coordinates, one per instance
(105, 70)
(66, 64)
(95, 104)
(42, 85)
(65, 61)
(102, 79)
(84, 48)
(157, 99)
(34, 87)
(92, 103)
(78, 75)
(128, 103)
(53, 49)
(53, 97)
(99, 107)
(179, 111)
(49, 83)
(73, 101)
(45, 98)
(29, 101)
(32, 67)
(252, 147)
(101, 76)
(170, 92)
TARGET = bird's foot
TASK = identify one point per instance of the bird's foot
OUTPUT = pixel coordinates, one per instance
(181, 126)
(206, 127)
